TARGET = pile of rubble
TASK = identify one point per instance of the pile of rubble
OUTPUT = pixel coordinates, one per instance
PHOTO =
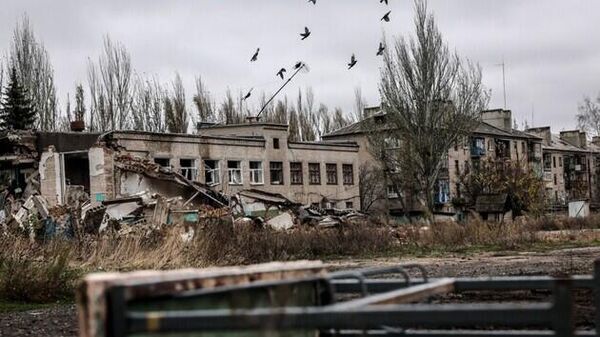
(153, 197)
(261, 208)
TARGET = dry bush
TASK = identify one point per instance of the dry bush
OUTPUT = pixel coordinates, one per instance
(549, 223)
(223, 243)
(452, 235)
(36, 273)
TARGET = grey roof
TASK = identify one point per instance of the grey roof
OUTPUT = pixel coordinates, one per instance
(558, 144)
(482, 128)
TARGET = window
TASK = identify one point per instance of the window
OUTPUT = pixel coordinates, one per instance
(331, 170)
(523, 150)
(234, 172)
(276, 168)
(296, 173)
(391, 192)
(442, 195)
(554, 161)
(188, 169)
(348, 174)
(555, 180)
(275, 143)
(547, 158)
(560, 161)
(211, 172)
(457, 167)
(256, 173)
(314, 173)
(164, 162)
(349, 204)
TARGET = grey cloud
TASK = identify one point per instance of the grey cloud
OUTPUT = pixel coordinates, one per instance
(549, 46)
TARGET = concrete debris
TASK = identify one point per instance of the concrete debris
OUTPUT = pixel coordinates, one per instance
(282, 221)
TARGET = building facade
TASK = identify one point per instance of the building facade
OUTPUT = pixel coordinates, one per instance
(226, 158)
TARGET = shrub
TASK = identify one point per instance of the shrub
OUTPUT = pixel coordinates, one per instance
(26, 277)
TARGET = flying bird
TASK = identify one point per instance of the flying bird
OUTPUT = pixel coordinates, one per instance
(280, 72)
(313, 1)
(255, 56)
(305, 34)
(298, 64)
(383, 1)
(386, 17)
(381, 49)
(248, 94)
(352, 62)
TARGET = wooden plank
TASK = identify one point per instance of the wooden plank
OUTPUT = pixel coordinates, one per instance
(404, 295)
(91, 294)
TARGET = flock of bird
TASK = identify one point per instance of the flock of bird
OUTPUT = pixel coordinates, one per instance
(304, 35)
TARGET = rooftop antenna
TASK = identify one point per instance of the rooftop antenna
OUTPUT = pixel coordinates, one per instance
(299, 66)
(503, 80)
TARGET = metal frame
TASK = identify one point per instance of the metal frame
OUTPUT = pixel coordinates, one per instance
(381, 309)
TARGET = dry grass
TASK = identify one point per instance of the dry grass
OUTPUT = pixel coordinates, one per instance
(42, 272)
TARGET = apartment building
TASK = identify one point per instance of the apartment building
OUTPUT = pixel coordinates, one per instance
(570, 164)
(228, 158)
(493, 137)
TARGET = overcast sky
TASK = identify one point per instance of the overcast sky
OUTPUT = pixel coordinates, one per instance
(551, 48)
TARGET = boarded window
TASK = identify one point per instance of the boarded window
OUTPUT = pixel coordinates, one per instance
(296, 173)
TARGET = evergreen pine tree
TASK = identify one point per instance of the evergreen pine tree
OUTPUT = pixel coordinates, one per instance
(16, 111)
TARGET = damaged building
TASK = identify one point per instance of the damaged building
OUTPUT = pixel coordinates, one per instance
(229, 159)
(128, 177)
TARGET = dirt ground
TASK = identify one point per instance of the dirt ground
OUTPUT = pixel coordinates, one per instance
(61, 320)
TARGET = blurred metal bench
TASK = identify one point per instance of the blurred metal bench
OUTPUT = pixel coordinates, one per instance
(302, 299)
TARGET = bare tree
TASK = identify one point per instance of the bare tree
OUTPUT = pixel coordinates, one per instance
(431, 99)
(147, 105)
(203, 102)
(588, 118)
(176, 117)
(359, 104)
(372, 186)
(32, 62)
(110, 81)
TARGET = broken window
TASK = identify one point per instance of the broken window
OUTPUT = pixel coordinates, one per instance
(234, 171)
(349, 204)
(348, 174)
(296, 173)
(477, 146)
(211, 172)
(314, 173)
(164, 162)
(275, 143)
(331, 170)
(442, 191)
(256, 172)
(547, 162)
(276, 168)
(554, 161)
(188, 169)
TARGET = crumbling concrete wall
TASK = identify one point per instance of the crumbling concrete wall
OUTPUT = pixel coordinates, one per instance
(102, 178)
(50, 177)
